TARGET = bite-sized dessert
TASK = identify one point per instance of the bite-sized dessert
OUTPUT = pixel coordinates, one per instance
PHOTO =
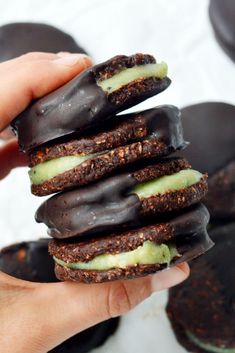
(19, 38)
(128, 138)
(134, 253)
(202, 309)
(123, 200)
(210, 129)
(90, 98)
(30, 261)
(222, 14)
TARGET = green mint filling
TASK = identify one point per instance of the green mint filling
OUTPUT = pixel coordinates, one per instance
(134, 73)
(208, 347)
(146, 254)
(49, 169)
(164, 184)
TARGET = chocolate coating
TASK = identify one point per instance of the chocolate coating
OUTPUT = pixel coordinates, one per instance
(151, 133)
(210, 286)
(210, 128)
(19, 38)
(107, 205)
(81, 104)
(222, 14)
(186, 230)
(31, 261)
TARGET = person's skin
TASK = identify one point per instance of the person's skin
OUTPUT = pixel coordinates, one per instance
(36, 317)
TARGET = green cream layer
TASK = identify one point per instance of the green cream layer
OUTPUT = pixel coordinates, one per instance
(147, 254)
(183, 179)
(208, 347)
(134, 73)
(49, 169)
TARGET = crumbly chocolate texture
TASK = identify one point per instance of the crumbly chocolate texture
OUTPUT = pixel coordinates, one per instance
(222, 15)
(31, 261)
(113, 244)
(108, 205)
(65, 273)
(186, 230)
(20, 38)
(152, 133)
(211, 287)
(174, 200)
(111, 67)
(59, 114)
(215, 154)
(162, 123)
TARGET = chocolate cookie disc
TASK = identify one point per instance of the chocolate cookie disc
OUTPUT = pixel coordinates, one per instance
(124, 200)
(210, 129)
(222, 14)
(135, 253)
(62, 165)
(202, 309)
(96, 94)
(19, 38)
(30, 261)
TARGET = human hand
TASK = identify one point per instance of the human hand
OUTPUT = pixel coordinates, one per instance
(37, 317)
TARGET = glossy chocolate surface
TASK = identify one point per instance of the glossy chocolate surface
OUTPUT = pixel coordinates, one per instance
(76, 106)
(210, 129)
(222, 14)
(20, 38)
(31, 261)
(91, 209)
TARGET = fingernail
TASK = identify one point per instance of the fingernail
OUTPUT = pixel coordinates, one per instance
(169, 277)
(69, 59)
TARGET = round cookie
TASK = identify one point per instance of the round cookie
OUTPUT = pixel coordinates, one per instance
(210, 129)
(124, 200)
(134, 253)
(19, 38)
(222, 14)
(96, 94)
(202, 309)
(129, 138)
(30, 261)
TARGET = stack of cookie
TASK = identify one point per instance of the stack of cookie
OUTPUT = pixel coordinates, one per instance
(125, 209)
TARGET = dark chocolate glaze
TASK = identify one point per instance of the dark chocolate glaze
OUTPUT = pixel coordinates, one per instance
(210, 129)
(183, 228)
(20, 38)
(109, 206)
(211, 286)
(31, 261)
(91, 209)
(222, 14)
(76, 106)
(162, 123)
(187, 231)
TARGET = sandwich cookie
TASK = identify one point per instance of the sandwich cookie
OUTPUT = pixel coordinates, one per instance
(134, 253)
(58, 166)
(91, 97)
(30, 261)
(214, 123)
(124, 200)
(202, 309)
(222, 14)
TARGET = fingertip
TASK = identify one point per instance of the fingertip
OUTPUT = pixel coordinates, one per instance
(170, 277)
(71, 59)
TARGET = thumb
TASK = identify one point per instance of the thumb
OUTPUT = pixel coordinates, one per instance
(72, 307)
(32, 76)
